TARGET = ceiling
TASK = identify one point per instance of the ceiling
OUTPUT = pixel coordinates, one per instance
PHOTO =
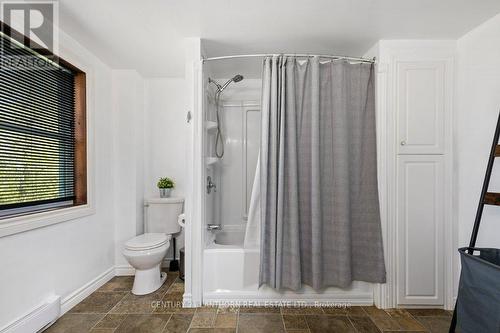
(147, 35)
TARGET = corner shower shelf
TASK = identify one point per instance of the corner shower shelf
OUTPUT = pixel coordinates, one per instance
(211, 160)
(210, 125)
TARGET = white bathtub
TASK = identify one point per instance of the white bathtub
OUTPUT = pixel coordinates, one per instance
(231, 275)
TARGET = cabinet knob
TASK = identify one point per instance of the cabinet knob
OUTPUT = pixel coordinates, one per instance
(403, 143)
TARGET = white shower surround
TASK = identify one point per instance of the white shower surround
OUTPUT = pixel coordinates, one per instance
(234, 173)
(241, 128)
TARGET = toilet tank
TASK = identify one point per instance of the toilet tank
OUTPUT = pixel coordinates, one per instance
(160, 215)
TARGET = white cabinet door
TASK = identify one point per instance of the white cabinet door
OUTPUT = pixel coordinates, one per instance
(420, 230)
(420, 89)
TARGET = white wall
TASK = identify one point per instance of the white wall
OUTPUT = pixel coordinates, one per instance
(61, 258)
(128, 111)
(165, 137)
(478, 104)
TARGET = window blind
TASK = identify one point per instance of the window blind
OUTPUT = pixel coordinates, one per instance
(37, 129)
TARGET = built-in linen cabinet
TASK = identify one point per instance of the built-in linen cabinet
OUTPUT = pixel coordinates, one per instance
(415, 92)
(422, 91)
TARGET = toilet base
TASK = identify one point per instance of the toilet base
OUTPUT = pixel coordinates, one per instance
(148, 280)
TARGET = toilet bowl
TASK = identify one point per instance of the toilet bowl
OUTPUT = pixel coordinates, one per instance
(145, 253)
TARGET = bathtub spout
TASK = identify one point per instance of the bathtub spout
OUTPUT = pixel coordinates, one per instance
(213, 227)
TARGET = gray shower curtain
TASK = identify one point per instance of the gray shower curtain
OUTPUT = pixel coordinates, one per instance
(319, 197)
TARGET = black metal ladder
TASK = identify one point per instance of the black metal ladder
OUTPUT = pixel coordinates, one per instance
(487, 198)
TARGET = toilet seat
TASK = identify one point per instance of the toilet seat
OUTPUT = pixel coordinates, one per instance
(147, 241)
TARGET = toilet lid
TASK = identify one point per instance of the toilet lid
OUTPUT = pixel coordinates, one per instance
(147, 241)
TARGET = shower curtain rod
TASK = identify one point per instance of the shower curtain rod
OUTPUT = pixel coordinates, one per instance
(292, 55)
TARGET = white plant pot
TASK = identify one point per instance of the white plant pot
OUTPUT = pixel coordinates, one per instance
(165, 192)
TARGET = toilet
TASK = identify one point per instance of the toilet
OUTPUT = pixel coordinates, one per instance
(146, 252)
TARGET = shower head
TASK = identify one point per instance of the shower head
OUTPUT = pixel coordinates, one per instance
(236, 78)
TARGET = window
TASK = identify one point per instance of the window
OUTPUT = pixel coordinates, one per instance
(42, 130)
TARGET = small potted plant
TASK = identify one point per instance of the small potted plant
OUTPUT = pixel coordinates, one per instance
(165, 185)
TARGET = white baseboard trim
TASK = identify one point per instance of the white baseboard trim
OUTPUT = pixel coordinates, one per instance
(46, 313)
(81, 293)
(259, 299)
(420, 306)
(40, 317)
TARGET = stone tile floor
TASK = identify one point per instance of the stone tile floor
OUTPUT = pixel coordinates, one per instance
(113, 308)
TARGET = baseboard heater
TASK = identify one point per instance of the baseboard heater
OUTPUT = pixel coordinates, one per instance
(37, 320)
